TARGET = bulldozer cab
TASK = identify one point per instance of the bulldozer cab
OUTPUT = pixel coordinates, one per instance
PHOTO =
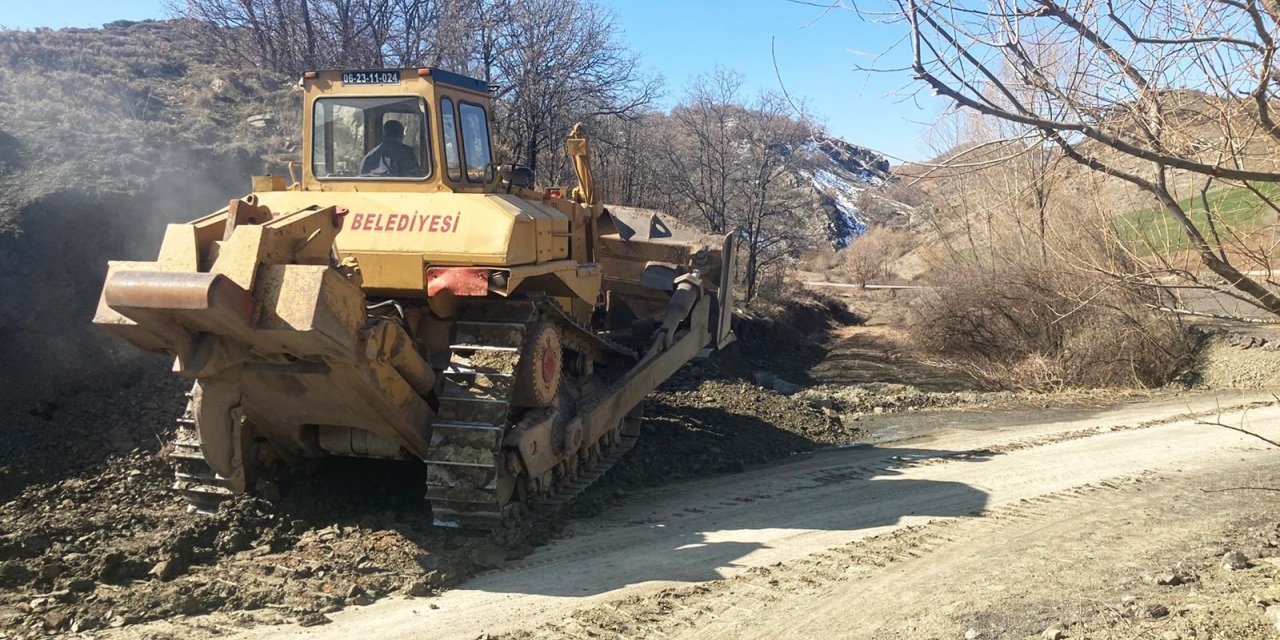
(396, 130)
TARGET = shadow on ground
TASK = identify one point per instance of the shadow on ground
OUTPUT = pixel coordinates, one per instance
(697, 534)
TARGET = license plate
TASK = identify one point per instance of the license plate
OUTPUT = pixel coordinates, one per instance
(371, 77)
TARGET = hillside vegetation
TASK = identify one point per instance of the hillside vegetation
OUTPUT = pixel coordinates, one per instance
(105, 135)
(115, 110)
(1234, 212)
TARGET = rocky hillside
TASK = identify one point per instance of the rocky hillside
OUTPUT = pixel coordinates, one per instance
(841, 172)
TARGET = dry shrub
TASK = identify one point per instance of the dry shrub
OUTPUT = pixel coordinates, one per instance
(820, 260)
(1029, 325)
(871, 255)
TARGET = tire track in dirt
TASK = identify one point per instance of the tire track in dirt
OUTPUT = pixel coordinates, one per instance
(674, 609)
(857, 472)
(808, 524)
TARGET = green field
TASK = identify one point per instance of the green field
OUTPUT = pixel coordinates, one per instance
(1237, 213)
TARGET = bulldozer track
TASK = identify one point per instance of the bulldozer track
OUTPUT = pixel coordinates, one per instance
(470, 482)
(199, 485)
(466, 458)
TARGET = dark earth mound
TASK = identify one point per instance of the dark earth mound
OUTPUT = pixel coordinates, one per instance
(100, 540)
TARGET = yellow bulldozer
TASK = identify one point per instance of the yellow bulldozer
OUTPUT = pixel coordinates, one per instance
(404, 297)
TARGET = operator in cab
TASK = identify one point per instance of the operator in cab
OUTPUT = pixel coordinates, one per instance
(392, 157)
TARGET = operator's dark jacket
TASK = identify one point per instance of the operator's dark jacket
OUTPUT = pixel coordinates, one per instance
(391, 158)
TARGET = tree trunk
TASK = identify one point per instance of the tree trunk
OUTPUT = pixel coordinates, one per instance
(1262, 297)
(531, 151)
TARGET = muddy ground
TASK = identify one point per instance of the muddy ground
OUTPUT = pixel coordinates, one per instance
(91, 537)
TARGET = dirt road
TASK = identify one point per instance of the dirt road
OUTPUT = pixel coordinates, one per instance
(925, 538)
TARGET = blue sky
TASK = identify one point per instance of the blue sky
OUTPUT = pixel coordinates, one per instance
(681, 39)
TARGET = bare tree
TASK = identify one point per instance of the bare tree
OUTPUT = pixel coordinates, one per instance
(737, 165)
(293, 36)
(1149, 93)
(775, 211)
(703, 156)
(559, 62)
(551, 62)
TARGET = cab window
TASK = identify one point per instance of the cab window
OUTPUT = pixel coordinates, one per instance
(448, 125)
(370, 138)
(475, 140)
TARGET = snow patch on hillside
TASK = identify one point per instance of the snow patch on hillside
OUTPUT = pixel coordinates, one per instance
(841, 172)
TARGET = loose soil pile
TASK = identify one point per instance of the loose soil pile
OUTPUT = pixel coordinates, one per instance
(1242, 358)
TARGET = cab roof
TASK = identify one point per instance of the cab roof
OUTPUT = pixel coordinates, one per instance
(436, 75)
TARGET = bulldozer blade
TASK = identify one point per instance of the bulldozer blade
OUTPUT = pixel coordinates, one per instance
(208, 302)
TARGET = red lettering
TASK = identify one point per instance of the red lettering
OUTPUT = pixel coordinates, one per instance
(377, 224)
(405, 223)
(356, 221)
(391, 222)
(457, 221)
(446, 224)
(434, 224)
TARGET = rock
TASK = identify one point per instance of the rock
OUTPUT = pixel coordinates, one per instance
(1273, 614)
(490, 556)
(1235, 561)
(86, 623)
(972, 634)
(259, 121)
(1171, 578)
(822, 402)
(107, 566)
(312, 619)
(80, 585)
(1171, 635)
(234, 540)
(57, 619)
(357, 595)
(165, 570)
(52, 570)
(1053, 633)
(417, 588)
(14, 573)
(763, 378)
(1155, 611)
(784, 387)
